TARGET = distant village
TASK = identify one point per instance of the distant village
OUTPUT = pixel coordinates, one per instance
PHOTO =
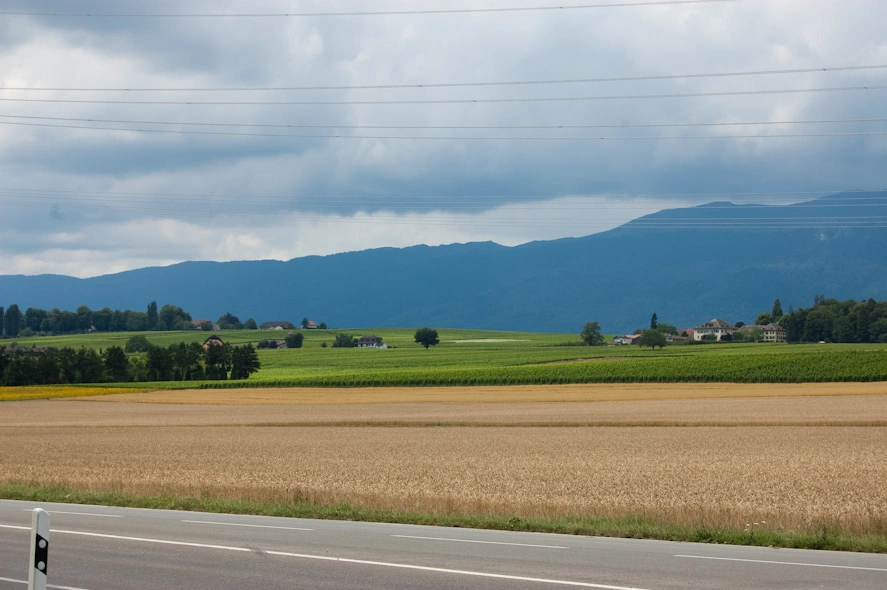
(716, 330)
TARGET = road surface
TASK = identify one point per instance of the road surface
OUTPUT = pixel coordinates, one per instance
(102, 548)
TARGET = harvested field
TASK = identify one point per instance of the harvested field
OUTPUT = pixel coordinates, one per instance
(719, 455)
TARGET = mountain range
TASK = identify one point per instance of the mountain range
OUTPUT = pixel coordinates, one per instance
(687, 265)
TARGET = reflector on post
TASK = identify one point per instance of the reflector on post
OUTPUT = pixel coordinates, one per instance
(39, 549)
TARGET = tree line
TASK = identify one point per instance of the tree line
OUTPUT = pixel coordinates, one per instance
(15, 323)
(831, 320)
(178, 362)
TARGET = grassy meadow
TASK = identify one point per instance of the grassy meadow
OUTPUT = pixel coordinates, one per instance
(474, 357)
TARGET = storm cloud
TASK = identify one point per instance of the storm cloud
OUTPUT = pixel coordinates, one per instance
(226, 130)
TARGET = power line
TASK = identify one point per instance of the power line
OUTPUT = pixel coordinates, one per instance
(451, 101)
(465, 84)
(582, 202)
(363, 13)
(451, 138)
(452, 127)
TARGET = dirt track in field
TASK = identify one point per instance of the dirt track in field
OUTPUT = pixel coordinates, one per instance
(650, 405)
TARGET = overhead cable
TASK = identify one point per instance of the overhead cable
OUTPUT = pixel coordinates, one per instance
(451, 138)
(364, 13)
(450, 101)
(462, 84)
(451, 127)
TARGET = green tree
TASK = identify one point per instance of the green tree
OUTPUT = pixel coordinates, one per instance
(2, 313)
(90, 366)
(138, 343)
(101, 319)
(84, 318)
(250, 324)
(34, 318)
(137, 370)
(304, 323)
(591, 334)
(174, 318)
(426, 337)
(654, 322)
(294, 340)
(321, 326)
(160, 364)
(344, 341)
(244, 361)
(666, 328)
(12, 321)
(151, 316)
(229, 322)
(763, 319)
(218, 361)
(777, 310)
(652, 338)
(116, 364)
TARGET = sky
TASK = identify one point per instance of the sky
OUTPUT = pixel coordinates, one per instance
(155, 132)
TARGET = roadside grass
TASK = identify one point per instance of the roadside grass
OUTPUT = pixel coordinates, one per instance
(758, 534)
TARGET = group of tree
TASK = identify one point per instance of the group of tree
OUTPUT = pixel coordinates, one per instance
(831, 320)
(290, 341)
(178, 362)
(56, 321)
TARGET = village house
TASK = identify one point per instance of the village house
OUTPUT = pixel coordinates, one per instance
(212, 341)
(716, 327)
(371, 341)
(774, 333)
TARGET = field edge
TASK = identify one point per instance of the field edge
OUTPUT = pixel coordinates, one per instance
(636, 528)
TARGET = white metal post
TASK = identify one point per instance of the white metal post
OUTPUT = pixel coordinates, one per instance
(39, 549)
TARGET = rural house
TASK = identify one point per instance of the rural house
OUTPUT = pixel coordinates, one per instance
(212, 341)
(774, 333)
(716, 327)
(371, 341)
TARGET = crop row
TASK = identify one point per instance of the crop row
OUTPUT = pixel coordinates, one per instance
(797, 367)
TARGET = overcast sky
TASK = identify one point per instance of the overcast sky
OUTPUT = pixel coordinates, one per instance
(110, 158)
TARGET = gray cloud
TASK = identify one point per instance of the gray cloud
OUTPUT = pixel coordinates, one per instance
(244, 181)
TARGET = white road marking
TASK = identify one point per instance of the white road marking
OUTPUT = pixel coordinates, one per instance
(77, 513)
(483, 542)
(843, 567)
(256, 526)
(48, 585)
(424, 568)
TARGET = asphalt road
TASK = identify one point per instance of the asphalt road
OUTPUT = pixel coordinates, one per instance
(100, 548)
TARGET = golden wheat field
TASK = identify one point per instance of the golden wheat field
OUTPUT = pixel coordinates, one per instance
(723, 457)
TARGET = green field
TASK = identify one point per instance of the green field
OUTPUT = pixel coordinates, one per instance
(473, 357)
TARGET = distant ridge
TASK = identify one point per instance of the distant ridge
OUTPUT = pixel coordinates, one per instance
(687, 265)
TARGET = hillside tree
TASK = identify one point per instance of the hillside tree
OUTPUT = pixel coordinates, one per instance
(152, 315)
(12, 321)
(345, 341)
(654, 322)
(652, 338)
(591, 334)
(777, 310)
(244, 361)
(294, 340)
(426, 337)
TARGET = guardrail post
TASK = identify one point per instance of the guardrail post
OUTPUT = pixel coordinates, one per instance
(39, 549)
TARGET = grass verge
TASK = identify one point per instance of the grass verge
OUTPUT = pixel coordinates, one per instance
(635, 528)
